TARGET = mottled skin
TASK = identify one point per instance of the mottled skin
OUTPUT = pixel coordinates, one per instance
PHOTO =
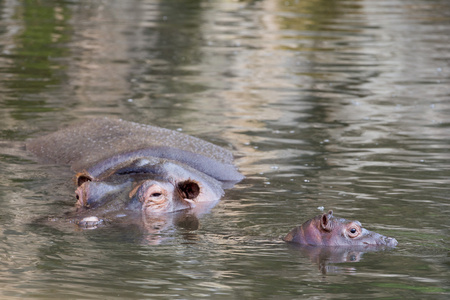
(121, 165)
(326, 230)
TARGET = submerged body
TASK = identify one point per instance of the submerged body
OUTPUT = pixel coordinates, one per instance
(123, 165)
(326, 230)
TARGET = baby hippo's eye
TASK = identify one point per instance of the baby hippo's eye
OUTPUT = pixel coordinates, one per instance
(353, 231)
(155, 195)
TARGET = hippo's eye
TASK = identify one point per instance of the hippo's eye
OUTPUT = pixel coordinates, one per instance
(157, 197)
(353, 230)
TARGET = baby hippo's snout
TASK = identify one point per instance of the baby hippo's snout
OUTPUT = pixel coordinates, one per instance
(390, 242)
(372, 238)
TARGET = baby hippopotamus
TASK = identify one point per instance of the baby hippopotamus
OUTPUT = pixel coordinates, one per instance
(122, 165)
(326, 230)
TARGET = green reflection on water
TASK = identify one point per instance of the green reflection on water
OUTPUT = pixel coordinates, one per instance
(39, 44)
(36, 61)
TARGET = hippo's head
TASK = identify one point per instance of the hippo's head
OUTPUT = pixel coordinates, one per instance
(153, 188)
(164, 196)
(326, 230)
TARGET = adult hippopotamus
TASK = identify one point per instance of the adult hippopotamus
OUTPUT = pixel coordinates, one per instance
(122, 165)
(327, 230)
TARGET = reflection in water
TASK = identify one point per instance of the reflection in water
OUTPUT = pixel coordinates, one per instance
(326, 257)
(149, 229)
(142, 229)
(100, 50)
(37, 57)
(32, 58)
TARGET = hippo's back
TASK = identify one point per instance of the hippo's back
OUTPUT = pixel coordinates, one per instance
(86, 144)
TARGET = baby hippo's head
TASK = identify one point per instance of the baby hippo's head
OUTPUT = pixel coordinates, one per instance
(326, 230)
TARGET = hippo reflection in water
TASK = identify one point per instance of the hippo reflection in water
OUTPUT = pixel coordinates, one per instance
(328, 258)
(326, 230)
(125, 166)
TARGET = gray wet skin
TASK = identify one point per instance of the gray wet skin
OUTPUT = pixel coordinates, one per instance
(327, 230)
(122, 165)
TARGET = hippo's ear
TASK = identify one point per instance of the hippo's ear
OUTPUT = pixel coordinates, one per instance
(189, 189)
(82, 178)
(325, 221)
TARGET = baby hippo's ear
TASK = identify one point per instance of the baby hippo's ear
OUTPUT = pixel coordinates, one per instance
(189, 189)
(325, 221)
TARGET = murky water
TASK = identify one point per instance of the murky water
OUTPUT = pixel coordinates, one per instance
(337, 104)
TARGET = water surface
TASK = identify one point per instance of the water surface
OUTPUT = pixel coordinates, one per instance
(336, 104)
